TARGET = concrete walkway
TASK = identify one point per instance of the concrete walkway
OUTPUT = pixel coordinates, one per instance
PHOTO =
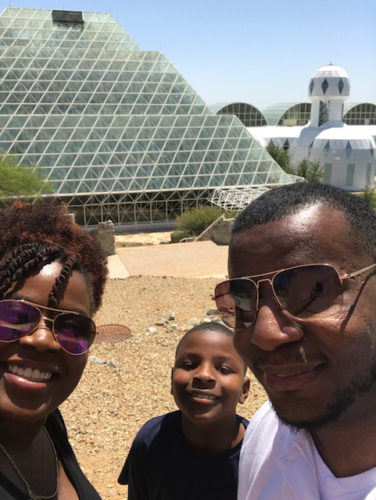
(190, 260)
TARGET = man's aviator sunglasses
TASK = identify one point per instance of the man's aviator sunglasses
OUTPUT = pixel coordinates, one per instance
(73, 331)
(302, 291)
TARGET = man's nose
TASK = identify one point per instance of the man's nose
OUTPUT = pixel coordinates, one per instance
(272, 326)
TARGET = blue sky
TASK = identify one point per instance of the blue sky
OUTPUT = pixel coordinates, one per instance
(260, 52)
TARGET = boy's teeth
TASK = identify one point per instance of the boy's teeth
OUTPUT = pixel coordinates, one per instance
(29, 373)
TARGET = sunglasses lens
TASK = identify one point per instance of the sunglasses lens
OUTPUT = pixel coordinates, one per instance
(307, 290)
(75, 333)
(17, 319)
(302, 291)
(236, 302)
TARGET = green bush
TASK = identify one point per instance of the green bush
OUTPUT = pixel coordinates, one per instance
(369, 195)
(176, 236)
(195, 221)
(21, 180)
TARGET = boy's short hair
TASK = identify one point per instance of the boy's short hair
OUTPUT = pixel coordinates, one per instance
(213, 326)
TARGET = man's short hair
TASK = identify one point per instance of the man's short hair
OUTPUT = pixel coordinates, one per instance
(291, 198)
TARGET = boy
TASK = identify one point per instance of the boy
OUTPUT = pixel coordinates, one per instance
(193, 453)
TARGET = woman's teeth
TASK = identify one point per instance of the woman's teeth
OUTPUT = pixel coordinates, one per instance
(29, 373)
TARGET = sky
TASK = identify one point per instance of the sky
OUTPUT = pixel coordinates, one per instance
(262, 52)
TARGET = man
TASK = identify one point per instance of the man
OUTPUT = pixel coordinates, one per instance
(305, 323)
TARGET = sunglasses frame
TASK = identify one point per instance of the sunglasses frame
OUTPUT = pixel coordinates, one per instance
(59, 312)
(273, 274)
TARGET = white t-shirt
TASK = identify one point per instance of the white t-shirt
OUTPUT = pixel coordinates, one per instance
(278, 464)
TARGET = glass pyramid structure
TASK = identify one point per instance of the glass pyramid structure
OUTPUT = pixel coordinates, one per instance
(120, 133)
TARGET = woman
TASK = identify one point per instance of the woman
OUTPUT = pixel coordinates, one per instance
(52, 276)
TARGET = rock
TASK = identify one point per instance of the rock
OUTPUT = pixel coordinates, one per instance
(161, 321)
(171, 316)
(193, 322)
(99, 361)
(211, 312)
(152, 329)
(105, 235)
(113, 364)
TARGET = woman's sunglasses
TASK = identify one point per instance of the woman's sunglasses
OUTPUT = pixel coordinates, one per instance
(73, 331)
(302, 291)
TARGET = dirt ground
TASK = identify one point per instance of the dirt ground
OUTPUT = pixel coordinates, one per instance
(126, 382)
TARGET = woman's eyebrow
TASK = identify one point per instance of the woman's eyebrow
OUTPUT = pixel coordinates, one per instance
(18, 296)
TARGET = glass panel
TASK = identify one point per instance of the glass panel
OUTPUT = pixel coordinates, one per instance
(350, 174)
(327, 173)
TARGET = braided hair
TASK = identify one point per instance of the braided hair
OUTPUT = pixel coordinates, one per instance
(34, 235)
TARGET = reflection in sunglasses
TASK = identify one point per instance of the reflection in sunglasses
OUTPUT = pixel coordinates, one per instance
(302, 291)
(73, 331)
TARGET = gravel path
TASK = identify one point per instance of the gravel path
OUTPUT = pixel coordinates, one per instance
(127, 382)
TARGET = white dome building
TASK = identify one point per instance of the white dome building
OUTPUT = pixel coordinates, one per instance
(345, 152)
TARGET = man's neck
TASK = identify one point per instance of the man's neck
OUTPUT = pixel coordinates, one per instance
(347, 449)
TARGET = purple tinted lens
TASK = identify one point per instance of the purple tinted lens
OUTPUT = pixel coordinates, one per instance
(75, 333)
(17, 319)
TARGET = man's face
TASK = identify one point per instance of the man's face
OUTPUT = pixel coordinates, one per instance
(318, 369)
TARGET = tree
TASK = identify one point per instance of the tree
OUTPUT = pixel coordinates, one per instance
(369, 195)
(281, 156)
(21, 180)
(310, 170)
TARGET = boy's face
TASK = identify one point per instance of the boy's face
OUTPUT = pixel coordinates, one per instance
(208, 377)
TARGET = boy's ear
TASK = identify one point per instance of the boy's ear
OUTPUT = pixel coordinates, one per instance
(245, 390)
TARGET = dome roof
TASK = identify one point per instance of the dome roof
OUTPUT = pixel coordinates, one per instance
(329, 82)
(330, 70)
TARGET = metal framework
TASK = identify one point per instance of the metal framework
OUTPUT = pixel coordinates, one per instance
(118, 131)
(239, 198)
(236, 198)
(249, 115)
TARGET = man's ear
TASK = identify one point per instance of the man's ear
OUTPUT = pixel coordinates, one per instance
(245, 390)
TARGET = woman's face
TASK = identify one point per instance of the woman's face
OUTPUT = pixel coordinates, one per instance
(36, 374)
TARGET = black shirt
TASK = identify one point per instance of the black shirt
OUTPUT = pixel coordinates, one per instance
(161, 466)
(56, 429)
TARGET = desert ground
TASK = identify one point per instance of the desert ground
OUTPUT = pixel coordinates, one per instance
(126, 381)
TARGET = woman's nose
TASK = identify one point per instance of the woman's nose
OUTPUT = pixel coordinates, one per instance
(42, 338)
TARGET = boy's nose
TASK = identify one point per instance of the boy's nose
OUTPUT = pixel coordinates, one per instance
(204, 376)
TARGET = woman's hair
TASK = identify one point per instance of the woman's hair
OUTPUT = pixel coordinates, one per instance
(34, 235)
